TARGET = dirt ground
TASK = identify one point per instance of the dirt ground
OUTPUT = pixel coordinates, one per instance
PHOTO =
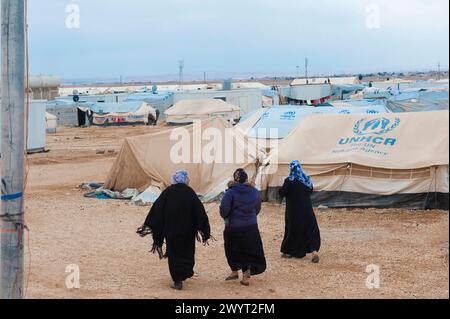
(410, 247)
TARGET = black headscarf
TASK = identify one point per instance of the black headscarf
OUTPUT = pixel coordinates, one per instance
(240, 176)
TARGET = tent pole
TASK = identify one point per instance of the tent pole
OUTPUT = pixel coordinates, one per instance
(12, 148)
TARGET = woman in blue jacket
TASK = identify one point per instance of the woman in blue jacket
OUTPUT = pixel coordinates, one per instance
(243, 245)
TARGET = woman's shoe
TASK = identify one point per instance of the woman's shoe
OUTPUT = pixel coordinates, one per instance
(177, 285)
(233, 276)
(246, 278)
(315, 259)
(286, 256)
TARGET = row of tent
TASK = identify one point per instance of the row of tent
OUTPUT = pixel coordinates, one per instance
(137, 111)
(356, 159)
(284, 117)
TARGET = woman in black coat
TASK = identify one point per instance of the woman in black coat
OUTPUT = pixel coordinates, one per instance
(302, 234)
(178, 218)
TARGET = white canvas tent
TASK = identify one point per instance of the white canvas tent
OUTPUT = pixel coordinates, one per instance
(383, 160)
(210, 150)
(187, 111)
(121, 113)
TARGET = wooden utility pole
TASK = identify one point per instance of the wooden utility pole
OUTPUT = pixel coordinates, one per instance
(12, 149)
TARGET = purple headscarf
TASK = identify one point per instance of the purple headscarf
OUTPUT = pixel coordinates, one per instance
(180, 177)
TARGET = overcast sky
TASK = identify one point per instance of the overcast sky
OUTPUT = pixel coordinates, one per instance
(148, 37)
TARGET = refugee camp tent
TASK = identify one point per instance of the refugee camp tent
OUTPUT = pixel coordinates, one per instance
(278, 121)
(210, 150)
(160, 101)
(121, 113)
(382, 160)
(419, 101)
(187, 111)
(377, 93)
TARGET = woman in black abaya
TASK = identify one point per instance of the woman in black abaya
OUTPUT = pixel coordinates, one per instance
(302, 234)
(178, 217)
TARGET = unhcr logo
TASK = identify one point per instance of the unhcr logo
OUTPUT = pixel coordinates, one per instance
(370, 131)
(289, 115)
(377, 126)
(265, 115)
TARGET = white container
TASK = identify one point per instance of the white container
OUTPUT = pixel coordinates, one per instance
(51, 122)
(310, 92)
(36, 126)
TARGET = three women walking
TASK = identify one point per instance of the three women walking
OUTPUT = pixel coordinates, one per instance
(302, 234)
(178, 218)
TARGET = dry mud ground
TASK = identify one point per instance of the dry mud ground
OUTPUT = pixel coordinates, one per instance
(411, 248)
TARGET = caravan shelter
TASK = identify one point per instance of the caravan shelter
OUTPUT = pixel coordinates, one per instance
(188, 111)
(382, 160)
(68, 112)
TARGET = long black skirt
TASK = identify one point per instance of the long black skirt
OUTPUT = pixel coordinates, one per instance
(302, 234)
(181, 256)
(244, 250)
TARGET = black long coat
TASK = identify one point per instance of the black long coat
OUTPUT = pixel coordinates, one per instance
(177, 217)
(302, 234)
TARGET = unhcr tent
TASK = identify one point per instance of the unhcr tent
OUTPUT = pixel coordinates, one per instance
(388, 160)
(419, 101)
(187, 111)
(209, 150)
(121, 113)
(278, 121)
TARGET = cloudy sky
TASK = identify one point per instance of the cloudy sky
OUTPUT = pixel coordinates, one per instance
(148, 37)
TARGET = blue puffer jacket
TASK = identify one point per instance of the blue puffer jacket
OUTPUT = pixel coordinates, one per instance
(240, 206)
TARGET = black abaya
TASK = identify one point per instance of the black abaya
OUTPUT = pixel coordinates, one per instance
(244, 250)
(302, 234)
(178, 217)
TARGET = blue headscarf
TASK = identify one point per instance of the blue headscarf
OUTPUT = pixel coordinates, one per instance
(297, 174)
(180, 177)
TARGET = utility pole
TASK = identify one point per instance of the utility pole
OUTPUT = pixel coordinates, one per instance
(180, 74)
(439, 70)
(306, 70)
(12, 149)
